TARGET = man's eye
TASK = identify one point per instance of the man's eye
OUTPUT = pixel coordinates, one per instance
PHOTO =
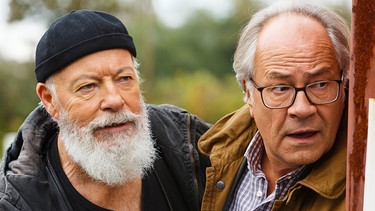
(125, 78)
(87, 87)
(280, 89)
(319, 85)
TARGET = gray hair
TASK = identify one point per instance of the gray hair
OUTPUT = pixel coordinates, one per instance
(337, 28)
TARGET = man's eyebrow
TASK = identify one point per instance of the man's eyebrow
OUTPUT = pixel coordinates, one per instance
(307, 74)
(317, 73)
(82, 77)
(94, 77)
(125, 68)
(277, 74)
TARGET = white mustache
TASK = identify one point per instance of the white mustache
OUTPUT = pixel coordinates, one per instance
(111, 119)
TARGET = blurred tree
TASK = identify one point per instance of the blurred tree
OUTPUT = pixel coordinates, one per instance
(17, 94)
(193, 63)
(200, 92)
(202, 42)
(48, 10)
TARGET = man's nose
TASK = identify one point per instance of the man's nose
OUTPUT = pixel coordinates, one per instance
(112, 99)
(301, 106)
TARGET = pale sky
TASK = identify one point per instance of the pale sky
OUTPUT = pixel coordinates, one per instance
(18, 40)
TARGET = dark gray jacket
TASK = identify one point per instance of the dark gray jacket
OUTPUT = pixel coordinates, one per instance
(27, 182)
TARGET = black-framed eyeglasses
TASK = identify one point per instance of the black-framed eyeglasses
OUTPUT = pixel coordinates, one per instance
(283, 96)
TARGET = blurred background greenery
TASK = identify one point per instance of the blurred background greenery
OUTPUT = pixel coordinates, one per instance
(188, 65)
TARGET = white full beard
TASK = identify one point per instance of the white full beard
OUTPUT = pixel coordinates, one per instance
(115, 158)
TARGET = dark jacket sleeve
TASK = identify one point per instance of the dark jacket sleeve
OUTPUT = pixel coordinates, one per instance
(176, 133)
(23, 177)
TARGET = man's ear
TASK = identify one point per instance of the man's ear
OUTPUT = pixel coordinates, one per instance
(48, 100)
(248, 97)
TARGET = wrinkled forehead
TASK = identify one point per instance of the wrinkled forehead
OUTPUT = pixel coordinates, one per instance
(286, 29)
(294, 42)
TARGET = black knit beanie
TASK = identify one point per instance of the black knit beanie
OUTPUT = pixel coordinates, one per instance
(78, 34)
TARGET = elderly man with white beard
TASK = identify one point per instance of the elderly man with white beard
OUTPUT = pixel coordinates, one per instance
(93, 143)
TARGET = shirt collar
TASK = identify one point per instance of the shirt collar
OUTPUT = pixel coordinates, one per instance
(254, 154)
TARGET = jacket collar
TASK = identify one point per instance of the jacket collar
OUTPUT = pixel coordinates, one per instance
(228, 139)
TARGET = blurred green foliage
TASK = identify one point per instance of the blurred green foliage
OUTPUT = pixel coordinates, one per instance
(199, 92)
(189, 66)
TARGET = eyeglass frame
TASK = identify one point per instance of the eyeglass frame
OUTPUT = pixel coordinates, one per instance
(296, 90)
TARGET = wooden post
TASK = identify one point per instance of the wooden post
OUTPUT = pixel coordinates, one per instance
(361, 89)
